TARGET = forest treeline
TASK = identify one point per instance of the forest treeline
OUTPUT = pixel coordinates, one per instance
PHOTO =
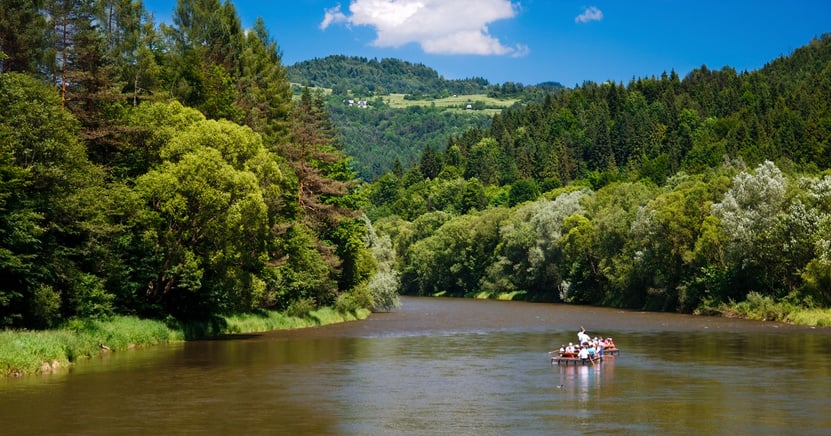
(371, 77)
(164, 170)
(167, 171)
(666, 194)
(359, 76)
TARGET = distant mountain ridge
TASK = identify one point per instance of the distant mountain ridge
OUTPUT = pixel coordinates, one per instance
(373, 76)
(377, 77)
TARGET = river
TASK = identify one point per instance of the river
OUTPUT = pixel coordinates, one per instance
(448, 366)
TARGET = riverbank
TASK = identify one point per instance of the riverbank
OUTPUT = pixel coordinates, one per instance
(756, 307)
(764, 308)
(45, 351)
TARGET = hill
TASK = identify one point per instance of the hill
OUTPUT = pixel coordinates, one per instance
(406, 107)
(707, 193)
(364, 76)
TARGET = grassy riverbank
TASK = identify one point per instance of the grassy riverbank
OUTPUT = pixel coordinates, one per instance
(34, 352)
(764, 308)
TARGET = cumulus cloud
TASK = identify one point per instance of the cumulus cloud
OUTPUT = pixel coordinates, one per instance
(331, 16)
(590, 14)
(438, 26)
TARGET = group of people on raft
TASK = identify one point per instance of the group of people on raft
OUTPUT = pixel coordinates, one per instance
(586, 347)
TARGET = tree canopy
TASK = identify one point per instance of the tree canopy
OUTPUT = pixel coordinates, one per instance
(154, 170)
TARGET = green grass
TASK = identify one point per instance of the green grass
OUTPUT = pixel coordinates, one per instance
(268, 320)
(764, 308)
(458, 102)
(30, 352)
(506, 296)
(35, 352)
(811, 317)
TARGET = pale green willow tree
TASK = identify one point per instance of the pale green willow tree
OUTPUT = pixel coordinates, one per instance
(384, 284)
(528, 255)
(753, 222)
(816, 220)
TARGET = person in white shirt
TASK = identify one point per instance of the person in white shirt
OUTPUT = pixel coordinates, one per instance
(582, 337)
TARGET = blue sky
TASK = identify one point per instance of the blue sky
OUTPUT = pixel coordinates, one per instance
(533, 41)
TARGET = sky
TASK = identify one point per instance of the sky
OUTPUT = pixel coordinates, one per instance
(535, 41)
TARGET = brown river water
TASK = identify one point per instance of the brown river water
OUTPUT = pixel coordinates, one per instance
(448, 366)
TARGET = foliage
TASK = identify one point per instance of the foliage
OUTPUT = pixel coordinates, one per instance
(677, 247)
(113, 202)
(27, 352)
(674, 218)
(49, 230)
(165, 171)
(378, 77)
(383, 286)
(379, 136)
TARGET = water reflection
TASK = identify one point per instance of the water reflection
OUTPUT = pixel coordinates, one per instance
(449, 367)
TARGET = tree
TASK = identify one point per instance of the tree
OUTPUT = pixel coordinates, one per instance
(204, 223)
(384, 284)
(523, 190)
(751, 218)
(49, 225)
(263, 89)
(22, 36)
(207, 47)
(529, 255)
(584, 279)
(430, 164)
(483, 162)
(313, 153)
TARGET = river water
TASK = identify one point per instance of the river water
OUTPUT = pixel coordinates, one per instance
(448, 366)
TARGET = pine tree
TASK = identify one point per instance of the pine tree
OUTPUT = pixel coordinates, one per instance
(318, 162)
(22, 35)
(263, 90)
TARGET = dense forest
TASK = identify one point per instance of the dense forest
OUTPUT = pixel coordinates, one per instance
(170, 171)
(666, 194)
(345, 75)
(381, 139)
(166, 171)
(371, 77)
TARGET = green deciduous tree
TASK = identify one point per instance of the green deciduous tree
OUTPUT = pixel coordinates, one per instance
(204, 222)
(751, 215)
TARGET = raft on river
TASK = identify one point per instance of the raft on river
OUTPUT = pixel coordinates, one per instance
(575, 360)
(561, 360)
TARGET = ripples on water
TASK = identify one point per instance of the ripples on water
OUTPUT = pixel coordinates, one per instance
(443, 366)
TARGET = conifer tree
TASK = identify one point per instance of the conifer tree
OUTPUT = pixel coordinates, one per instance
(22, 35)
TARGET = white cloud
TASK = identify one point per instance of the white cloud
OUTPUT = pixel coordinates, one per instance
(332, 15)
(590, 14)
(438, 26)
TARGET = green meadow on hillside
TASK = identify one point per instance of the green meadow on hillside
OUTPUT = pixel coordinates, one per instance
(477, 101)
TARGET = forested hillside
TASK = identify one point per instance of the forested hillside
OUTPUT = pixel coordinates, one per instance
(370, 77)
(164, 170)
(168, 171)
(378, 137)
(668, 193)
